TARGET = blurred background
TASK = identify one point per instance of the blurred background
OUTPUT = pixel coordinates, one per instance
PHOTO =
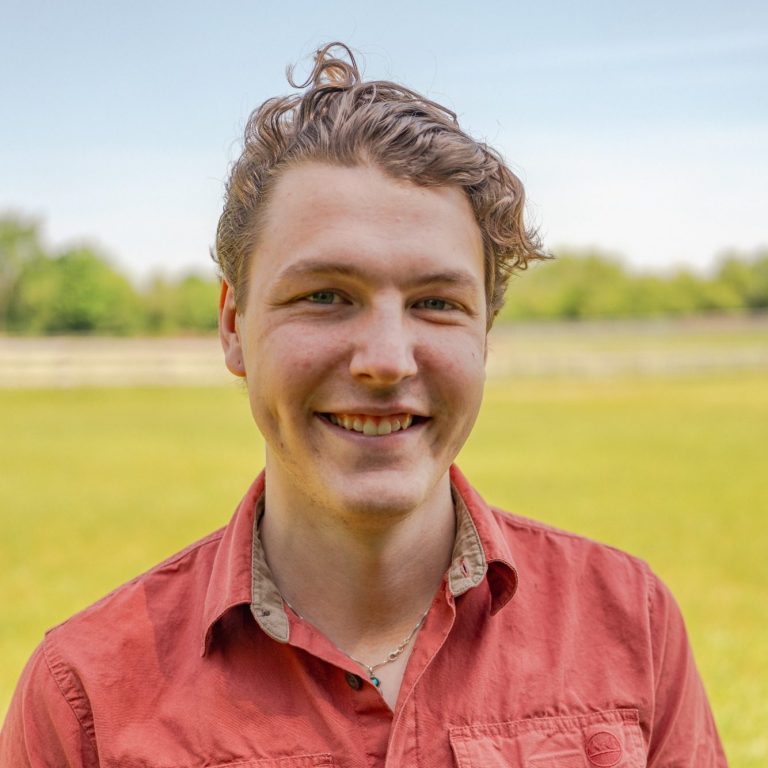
(628, 378)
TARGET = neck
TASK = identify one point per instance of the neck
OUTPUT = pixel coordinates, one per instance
(364, 585)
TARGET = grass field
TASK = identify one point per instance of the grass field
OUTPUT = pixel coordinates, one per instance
(97, 485)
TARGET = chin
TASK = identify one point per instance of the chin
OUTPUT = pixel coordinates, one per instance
(382, 508)
(384, 497)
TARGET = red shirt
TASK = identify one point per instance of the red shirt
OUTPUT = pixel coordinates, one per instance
(541, 649)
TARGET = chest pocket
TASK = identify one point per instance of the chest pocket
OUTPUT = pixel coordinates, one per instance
(610, 739)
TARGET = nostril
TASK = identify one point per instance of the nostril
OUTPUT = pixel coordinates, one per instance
(386, 361)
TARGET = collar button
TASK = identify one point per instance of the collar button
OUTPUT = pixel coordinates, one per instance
(353, 681)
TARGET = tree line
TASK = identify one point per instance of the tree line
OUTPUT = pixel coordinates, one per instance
(78, 290)
(580, 285)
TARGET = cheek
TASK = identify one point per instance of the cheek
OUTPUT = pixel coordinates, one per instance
(288, 371)
(463, 362)
(458, 378)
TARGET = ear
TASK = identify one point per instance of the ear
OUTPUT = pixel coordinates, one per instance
(229, 333)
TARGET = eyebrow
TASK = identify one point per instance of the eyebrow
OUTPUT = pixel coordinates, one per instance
(454, 277)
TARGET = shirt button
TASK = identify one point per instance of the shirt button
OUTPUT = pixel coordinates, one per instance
(353, 681)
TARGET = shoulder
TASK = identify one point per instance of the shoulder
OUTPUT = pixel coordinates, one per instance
(166, 598)
(114, 645)
(577, 570)
(543, 553)
(558, 543)
(606, 608)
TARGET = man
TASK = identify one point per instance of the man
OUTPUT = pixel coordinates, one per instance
(365, 607)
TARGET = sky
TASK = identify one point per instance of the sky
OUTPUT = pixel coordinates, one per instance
(637, 128)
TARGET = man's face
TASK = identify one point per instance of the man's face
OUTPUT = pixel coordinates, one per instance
(363, 338)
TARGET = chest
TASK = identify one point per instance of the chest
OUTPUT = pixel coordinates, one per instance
(476, 692)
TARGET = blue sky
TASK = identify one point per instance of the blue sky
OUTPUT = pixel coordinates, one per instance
(641, 128)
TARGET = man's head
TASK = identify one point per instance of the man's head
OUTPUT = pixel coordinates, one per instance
(341, 120)
(365, 245)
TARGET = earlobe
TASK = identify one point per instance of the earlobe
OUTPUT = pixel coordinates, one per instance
(229, 333)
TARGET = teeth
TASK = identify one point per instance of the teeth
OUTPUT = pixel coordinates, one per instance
(372, 425)
(370, 428)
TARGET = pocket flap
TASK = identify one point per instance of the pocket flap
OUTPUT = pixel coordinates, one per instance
(607, 739)
(299, 761)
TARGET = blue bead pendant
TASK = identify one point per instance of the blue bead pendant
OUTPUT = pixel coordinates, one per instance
(376, 681)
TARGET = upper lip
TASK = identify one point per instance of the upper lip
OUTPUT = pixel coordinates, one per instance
(376, 410)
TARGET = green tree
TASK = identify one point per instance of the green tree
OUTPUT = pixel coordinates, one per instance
(591, 284)
(159, 302)
(576, 285)
(198, 303)
(746, 275)
(20, 248)
(189, 304)
(77, 292)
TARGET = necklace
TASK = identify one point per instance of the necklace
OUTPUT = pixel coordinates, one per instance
(391, 656)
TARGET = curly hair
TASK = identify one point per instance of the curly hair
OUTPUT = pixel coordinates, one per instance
(340, 119)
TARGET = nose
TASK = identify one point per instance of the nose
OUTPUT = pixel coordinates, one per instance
(383, 348)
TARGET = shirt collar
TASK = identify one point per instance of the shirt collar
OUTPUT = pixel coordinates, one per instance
(241, 576)
(230, 581)
(481, 549)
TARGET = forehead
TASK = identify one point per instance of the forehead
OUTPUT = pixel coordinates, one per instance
(326, 186)
(360, 212)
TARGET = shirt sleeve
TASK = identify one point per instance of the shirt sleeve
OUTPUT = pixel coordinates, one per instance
(683, 734)
(41, 728)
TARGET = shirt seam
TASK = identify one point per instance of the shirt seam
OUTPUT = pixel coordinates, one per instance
(652, 588)
(47, 650)
(533, 526)
(622, 716)
(416, 730)
(211, 538)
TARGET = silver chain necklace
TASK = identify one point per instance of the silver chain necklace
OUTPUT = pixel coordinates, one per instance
(391, 656)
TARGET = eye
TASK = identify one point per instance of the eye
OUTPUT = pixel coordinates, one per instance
(435, 304)
(323, 297)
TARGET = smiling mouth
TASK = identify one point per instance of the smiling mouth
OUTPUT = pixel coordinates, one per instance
(374, 426)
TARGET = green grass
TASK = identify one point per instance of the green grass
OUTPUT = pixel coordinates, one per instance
(97, 485)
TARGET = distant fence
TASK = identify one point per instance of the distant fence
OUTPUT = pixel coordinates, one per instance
(594, 349)
(107, 362)
(631, 347)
